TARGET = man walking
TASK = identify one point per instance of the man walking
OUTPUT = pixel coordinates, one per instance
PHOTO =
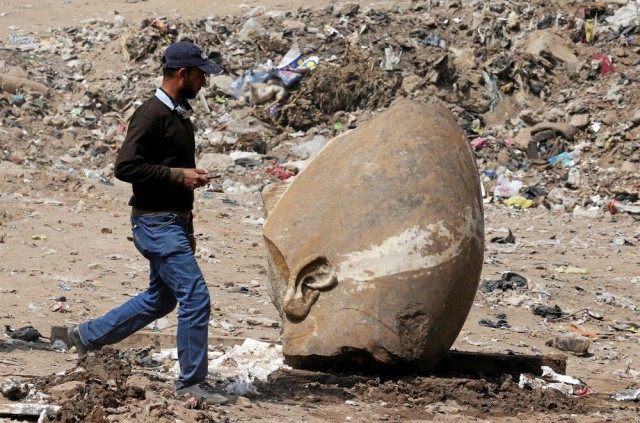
(158, 159)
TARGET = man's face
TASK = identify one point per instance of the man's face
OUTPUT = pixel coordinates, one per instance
(193, 80)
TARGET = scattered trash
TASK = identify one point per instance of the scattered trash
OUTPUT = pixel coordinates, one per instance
(508, 281)
(627, 395)
(572, 270)
(244, 389)
(13, 390)
(576, 346)
(575, 329)
(60, 307)
(518, 200)
(26, 333)
(616, 300)
(64, 286)
(507, 188)
(499, 324)
(548, 312)
(549, 375)
(509, 239)
(568, 385)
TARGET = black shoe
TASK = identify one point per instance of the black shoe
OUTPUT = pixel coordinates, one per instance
(205, 391)
(74, 335)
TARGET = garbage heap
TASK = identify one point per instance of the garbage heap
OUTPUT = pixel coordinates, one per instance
(544, 91)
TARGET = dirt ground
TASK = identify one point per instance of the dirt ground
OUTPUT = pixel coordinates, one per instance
(40, 15)
(63, 235)
(70, 231)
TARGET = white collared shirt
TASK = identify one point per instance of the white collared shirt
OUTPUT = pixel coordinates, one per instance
(185, 111)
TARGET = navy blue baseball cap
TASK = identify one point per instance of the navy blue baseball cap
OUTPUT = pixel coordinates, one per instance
(188, 55)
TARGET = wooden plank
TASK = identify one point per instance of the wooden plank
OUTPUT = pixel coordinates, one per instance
(476, 363)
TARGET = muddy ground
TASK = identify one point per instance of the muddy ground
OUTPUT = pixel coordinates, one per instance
(66, 256)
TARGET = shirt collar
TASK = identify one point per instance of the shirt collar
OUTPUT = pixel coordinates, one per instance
(184, 110)
(164, 97)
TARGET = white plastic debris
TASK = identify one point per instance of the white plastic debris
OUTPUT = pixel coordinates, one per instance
(549, 374)
(527, 382)
(627, 395)
(249, 361)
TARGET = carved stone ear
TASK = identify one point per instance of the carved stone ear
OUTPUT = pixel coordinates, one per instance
(315, 274)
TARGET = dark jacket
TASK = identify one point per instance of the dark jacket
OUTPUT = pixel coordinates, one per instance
(158, 145)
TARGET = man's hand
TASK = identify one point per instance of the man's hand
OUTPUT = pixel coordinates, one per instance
(195, 178)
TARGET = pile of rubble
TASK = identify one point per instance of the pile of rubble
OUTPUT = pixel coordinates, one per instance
(544, 90)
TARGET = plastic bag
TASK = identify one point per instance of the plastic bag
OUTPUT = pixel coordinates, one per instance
(248, 77)
(292, 58)
(289, 77)
(507, 188)
(292, 67)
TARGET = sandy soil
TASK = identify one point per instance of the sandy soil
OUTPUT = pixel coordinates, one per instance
(38, 16)
(61, 230)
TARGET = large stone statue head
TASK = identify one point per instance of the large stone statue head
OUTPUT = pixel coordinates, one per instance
(375, 249)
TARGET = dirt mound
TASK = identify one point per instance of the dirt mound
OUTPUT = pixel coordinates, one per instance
(357, 84)
(105, 385)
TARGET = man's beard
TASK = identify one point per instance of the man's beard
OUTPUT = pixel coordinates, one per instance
(187, 93)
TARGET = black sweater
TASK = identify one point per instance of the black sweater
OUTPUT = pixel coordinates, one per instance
(159, 143)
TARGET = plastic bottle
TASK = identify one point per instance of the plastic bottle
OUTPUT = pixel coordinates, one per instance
(562, 157)
(568, 159)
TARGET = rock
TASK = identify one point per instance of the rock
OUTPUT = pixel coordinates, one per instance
(576, 107)
(528, 116)
(346, 9)
(289, 25)
(262, 321)
(222, 83)
(66, 390)
(119, 21)
(636, 118)
(544, 135)
(580, 121)
(551, 44)
(15, 85)
(610, 117)
(503, 157)
(244, 402)
(566, 130)
(633, 134)
(380, 266)
(215, 162)
(411, 82)
(554, 115)
(465, 59)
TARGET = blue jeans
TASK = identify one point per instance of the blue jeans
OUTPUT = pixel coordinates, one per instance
(175, 278)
